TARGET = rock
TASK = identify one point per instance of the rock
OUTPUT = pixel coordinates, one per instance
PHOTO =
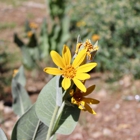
(96, 134)
(8, 110)
(8, 124)
(107, 132)
(102, 93)
(77, 136)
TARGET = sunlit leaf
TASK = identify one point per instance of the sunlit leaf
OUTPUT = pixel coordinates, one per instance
(21, 100)
(29, 127)
(59, 91)
(2, 135)
(45, 106)
(20, 76)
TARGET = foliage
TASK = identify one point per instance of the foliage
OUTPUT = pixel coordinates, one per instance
(59, 103)
(5, 59)
(21, 101)
(52, 36)
(117, 24)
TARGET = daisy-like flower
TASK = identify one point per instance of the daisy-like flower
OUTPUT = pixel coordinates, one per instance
(95, 37)
(29, 34)
(90, 49)
(79, 99)
(70, 72)
(33, 25)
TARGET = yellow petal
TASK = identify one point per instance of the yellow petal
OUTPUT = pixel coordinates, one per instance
(81, 105)
(86, 67)
(90, 101)
(74, 101)
(66, 55)
(66, 83)
(79, 84)
(89, 90)
(53, 71)
(82, 76)
(57, 59)
(79, 58)
(89, 109)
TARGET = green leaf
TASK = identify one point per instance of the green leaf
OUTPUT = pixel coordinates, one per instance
(59, 91)
(20, 76)
(29, 127)
(45, 106)
(21, 100)
(55, 37)
(2, 135)
(27, 26)
(28, 61)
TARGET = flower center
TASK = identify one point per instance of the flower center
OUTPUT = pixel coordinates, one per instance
(78, 96)
(69, 72)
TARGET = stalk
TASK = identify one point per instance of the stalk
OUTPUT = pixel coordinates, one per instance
(52, 122)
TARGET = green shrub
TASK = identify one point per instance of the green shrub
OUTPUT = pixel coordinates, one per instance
(118, 26)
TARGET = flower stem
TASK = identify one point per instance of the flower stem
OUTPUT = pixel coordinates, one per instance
(58, 118)
(52, 122)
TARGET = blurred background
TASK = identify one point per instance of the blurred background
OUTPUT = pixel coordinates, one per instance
(29, 30)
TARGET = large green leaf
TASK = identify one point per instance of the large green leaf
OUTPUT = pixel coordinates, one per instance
(46, 104)
(29, 127)
(20, 76)
(2, 135)
(21, 100)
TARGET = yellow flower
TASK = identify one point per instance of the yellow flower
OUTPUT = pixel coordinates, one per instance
(90, 49)
(95, 37)
(80, 23)
(15, 72)
(33, 25)
(29, 34)
(81, 101)
(69, 71)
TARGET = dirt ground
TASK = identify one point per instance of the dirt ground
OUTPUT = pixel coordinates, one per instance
(118, 113)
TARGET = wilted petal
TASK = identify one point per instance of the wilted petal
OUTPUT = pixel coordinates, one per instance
(53, 71)
(66, 55)
(89, 90)
(82, 76)
(90, 101)
(86, 67)
(57, 59)
(79, 84)
(89, 109)
(66, 83)
(79, 58)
